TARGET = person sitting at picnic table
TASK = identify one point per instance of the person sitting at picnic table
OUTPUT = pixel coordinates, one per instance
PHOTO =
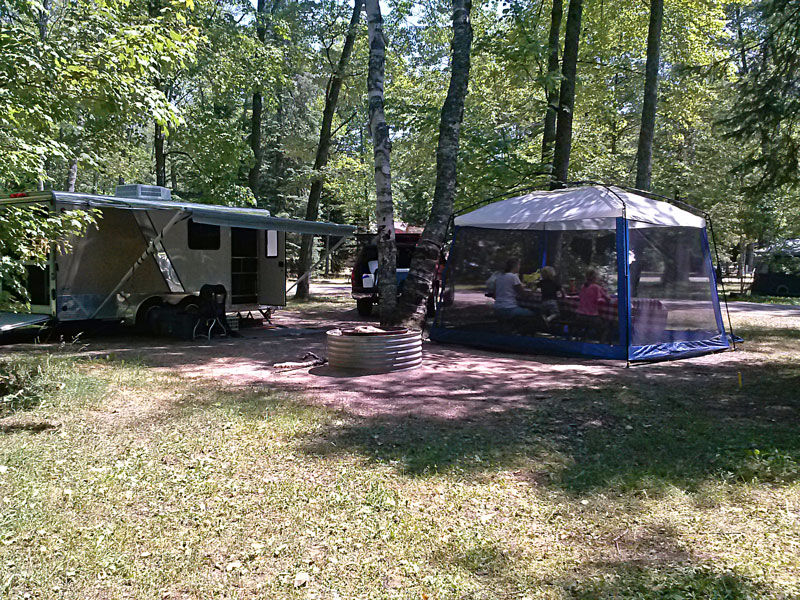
(550, 289)
(507, 292)
(589, 320)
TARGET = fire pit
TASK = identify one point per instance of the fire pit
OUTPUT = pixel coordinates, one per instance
(374, 350)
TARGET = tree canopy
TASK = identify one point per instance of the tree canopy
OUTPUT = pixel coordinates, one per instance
(85, 85)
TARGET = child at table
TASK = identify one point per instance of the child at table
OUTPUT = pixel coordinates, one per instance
(588, 311)
(550, 291)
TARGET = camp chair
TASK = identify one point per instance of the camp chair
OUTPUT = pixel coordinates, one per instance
(212, 311)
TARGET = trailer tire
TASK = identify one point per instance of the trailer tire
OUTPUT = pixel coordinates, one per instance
(364, 306)
(190, 304)
(781, 290)
(147, 309)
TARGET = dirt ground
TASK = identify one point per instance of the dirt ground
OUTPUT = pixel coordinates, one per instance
(454, 381)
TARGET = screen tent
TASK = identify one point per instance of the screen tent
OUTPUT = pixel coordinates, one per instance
(650, 258)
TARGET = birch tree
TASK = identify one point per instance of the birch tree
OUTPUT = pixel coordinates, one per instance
(382, 148)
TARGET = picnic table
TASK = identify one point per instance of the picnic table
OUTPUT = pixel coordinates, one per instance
(648, 315)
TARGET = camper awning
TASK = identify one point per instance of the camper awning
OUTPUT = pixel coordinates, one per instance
(210, 214)
(591, 207)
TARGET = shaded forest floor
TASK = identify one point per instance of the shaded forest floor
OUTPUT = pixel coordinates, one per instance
(152, 469)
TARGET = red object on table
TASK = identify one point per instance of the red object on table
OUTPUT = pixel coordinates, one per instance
(644, 309)
(607, 310)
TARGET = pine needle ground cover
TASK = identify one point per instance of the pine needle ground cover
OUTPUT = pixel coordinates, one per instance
(121, 481)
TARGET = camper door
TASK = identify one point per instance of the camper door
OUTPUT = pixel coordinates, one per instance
(272, 283)
(40, 283)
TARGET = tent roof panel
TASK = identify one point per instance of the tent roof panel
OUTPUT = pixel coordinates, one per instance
(591, 207)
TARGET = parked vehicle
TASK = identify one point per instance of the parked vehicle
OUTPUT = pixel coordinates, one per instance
(147, 251)
(364, 274)
(777, 271)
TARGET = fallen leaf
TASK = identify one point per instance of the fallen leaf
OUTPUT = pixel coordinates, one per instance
(301, 579)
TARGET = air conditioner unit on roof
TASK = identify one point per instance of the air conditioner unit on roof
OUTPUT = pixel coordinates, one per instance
(143, 192)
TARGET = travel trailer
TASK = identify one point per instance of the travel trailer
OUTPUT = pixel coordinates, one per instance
(146, 251)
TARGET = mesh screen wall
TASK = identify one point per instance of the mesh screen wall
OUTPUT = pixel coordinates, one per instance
(659, 297)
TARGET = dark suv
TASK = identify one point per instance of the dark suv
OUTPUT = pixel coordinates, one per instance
(365, 290)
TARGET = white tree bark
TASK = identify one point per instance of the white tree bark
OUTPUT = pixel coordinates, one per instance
(384, 208)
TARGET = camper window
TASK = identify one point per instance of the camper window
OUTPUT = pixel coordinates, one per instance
(271, 238)
(202, 236)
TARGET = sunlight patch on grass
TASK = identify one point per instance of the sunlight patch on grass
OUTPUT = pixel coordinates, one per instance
(147, 485)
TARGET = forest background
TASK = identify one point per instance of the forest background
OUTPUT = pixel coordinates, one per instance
(223, 100)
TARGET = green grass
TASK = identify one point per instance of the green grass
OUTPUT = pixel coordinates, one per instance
(119, 481)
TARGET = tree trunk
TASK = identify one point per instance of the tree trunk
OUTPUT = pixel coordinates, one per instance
(737, 16)
(153, 10)
(422, 273)
(72, 175)
(173, 175)
(161, 158)
(254, 176)
(382, 147)
(549, 135)
(566, 101)
(644, 154)
(323, 149)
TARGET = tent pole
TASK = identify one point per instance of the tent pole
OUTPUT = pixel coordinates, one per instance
(327, 253)
(140, 261)
(721, 279)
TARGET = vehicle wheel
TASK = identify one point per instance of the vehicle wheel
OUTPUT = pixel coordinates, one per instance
(190, 304)
(364, 306)
(781, 290)
(144, 316)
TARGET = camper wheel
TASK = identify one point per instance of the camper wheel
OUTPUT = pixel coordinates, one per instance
(190, 304)
(364, 306)
(144, 316)
(782, 290)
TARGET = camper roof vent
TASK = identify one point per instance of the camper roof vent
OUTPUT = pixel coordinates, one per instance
(143, 192)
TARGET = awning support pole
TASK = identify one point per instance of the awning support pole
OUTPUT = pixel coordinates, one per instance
(140, 261)
(319, 262)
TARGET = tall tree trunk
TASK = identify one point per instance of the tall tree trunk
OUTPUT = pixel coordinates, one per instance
(422, 273)
(553, 45)
(254, 176)
(153, 10)
(644, 154)
(566, 101)
(42, 21)
(382, 147)
(323, 149)
(737, 16)
(173, 175)
(72, 175)
(161, 158)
